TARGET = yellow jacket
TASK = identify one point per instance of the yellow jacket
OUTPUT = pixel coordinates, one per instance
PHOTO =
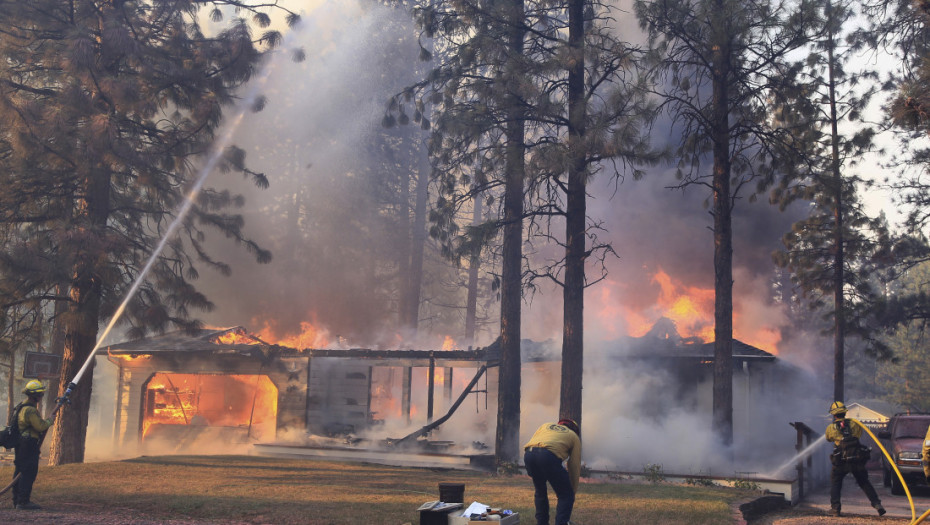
(564, 443)
(926, 450)
(31, 423)
(833, 434)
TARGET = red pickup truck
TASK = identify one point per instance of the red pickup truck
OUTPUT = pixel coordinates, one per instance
(903, 440)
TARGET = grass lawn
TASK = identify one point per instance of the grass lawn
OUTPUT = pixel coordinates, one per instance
(291, 491)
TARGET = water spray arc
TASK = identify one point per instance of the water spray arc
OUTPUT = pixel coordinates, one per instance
(800, 456)
(219, 146)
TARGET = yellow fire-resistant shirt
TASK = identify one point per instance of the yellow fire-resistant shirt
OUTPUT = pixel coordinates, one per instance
(564, 443)
(833, 434)
(31, 423)
(925, 450)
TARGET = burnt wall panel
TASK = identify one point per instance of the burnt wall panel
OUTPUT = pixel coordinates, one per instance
(339, 396)
(290, 376)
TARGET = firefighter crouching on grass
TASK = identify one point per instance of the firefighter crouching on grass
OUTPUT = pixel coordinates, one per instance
(32, 428)
(849, 456)
(544, 453)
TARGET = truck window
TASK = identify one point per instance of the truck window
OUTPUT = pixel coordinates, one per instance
(911, 428)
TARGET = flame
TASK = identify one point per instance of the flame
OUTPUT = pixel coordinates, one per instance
(310, 335)
(385, 397)
(449, 344)
(134, 357)
(243, 401)
(236, 337)
(691, 308)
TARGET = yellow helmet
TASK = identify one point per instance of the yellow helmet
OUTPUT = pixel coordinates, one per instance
(34, 388)
(837, 408)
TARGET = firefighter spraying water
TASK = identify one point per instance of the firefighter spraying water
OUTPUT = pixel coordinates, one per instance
(30, 429)
(849, 457)
(248, 103)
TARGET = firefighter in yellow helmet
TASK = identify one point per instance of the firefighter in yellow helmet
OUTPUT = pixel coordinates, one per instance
(849, 457)
(543, 455)
(31, 428)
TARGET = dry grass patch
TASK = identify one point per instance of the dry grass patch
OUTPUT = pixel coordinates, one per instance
(291, 491)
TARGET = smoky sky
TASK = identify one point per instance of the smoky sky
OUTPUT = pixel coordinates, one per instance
(314, 141)
(316, 123)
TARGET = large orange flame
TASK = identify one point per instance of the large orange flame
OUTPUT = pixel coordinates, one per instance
(236, 337)
(211, 400)
(690, 307)
(310, 335)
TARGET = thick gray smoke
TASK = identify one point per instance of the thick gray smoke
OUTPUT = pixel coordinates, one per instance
(315, 139)
(319, 139)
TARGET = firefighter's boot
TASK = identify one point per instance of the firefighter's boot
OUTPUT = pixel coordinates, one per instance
(881, 510)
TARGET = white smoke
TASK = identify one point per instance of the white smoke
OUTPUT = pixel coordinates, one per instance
(316, 115)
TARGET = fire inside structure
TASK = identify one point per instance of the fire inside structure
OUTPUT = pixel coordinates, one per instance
(179, 391)
(230, 385)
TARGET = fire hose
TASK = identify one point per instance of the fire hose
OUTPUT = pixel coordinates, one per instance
(914, 519)
(8, 487)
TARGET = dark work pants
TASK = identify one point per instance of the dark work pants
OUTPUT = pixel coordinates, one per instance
(26, 462)
(544, 466)
(860, 474)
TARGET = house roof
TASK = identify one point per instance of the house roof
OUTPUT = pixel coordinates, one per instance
(209, 340)
(864, 413)
(237, 340)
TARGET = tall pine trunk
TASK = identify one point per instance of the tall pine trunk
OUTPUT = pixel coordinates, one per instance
(723, 234)
(415, 282)
(405, 250)
(839, 314)
(56, 346)
(508, 410)
(10, 390)
(70, 431)
(474, 263)
(575, 215)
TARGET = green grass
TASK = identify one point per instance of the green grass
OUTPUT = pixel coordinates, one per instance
(291, 491)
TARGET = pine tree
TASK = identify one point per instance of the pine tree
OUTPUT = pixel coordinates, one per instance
(902, 377)
(723, 62)
(567, 134)
(826, 250)
(107, 108)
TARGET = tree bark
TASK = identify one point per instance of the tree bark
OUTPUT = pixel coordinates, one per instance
(508, 411)
(576, 213)
(839, 306)
(723, 235)
(406, 254)
(10, 390)
(415, 282)
(474, 263)
(57, 347)
(70, 431)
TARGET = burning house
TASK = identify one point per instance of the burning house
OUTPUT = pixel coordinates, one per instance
(661, 376)
(229, 386)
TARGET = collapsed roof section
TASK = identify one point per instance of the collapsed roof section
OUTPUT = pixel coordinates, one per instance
(237, 340)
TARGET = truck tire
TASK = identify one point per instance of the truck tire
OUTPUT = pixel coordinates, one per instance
(896, 488)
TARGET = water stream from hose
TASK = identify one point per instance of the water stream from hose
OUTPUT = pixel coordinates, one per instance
(217, 150)
(800, 456)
